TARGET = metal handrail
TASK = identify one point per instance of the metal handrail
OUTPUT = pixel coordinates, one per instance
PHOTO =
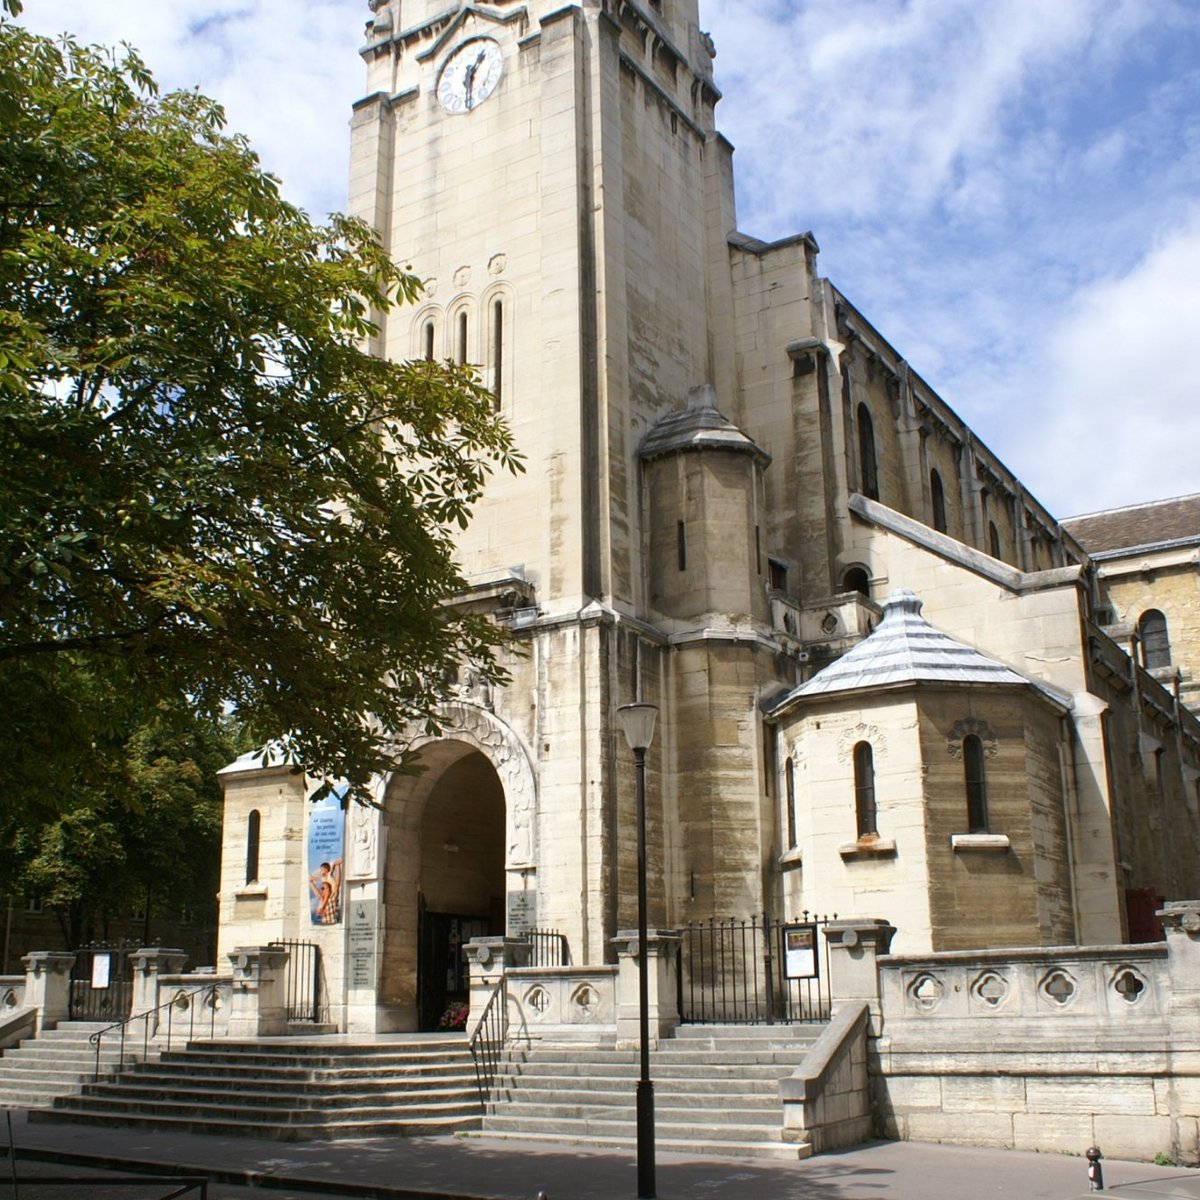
(97, 1038)
(487, 1041)
(547, 948)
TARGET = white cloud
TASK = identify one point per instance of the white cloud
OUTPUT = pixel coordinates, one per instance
(1121, 386)
(973, 172)
(979, 176)
(286, 71)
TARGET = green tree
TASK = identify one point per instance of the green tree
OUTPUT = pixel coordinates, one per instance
(213, 497)
(148, 838)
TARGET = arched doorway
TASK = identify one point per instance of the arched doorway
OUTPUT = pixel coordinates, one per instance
(444, 878)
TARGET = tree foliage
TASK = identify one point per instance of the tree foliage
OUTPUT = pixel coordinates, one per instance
(213, 496)
(149, 837)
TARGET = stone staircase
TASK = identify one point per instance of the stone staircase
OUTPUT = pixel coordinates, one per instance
(59, 1063)
(716, 1092)
(289, 1090)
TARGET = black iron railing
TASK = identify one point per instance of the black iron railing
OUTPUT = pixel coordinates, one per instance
(101, 984)
(302, 982)
(487, 1041)
(547, 948)
(754, 971)
(182, 1009)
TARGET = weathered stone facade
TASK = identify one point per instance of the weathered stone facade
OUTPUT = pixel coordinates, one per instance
(728, 471)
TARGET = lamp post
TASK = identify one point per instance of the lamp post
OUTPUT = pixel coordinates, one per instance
(637, 722)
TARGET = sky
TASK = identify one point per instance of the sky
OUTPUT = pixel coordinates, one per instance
(1009, 190)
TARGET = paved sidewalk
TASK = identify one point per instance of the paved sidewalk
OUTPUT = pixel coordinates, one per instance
(482, 1169)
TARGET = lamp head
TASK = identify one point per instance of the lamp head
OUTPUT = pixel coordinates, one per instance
(637, 722)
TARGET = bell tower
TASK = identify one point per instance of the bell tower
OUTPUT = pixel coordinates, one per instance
(552, 171)
(549, 170)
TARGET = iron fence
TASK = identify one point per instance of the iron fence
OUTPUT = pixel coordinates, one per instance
(547, 948)
(302, 981)
(101, 984)
(754, 971)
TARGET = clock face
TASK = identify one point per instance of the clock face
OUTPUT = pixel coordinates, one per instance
(470, 75)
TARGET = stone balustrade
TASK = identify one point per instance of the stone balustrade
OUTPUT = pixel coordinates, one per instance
(1047, 1049)
(561, 1002)
(12, 993)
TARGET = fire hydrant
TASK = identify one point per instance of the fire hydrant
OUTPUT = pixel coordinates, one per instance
(1095, 1170)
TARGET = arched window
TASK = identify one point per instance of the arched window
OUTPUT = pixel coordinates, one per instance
(253, 833)
(1156, 643)
(428, 332)
(976, 780)
(864, 790)
(462, 336)
(994, 540)
(937, 501)
(868, 469)
(497, 352)
(790, 781)
(857, 580)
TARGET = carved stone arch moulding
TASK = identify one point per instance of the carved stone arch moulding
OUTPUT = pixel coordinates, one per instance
(499, 744)
(963, 729)
(861, 732)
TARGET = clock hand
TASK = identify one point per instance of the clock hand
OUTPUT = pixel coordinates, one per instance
(469, 78)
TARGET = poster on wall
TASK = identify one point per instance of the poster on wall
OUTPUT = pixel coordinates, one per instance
(800, 951)
(326, 856)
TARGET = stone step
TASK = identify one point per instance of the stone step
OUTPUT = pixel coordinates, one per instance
(268, 1048)
(273, 1063)
(243, 1109)
(288, 1089)
(601, 1129)
(769, 1151)
(716, 1091)
(162, 1094)
(271, 1130)
(722, 1034)
(151, 1078)
(581, 1107)
(700, 1087)
(599, 1069)
(300, 1071)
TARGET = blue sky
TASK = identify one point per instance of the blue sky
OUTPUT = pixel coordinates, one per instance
(1008, 189)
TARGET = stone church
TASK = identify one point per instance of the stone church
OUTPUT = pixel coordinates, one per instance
(890, 683)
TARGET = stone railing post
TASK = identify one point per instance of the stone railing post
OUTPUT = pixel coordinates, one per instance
(258, 1003)
(488, 958)
(148, 964)
(48, 986)
(662, 986)
(1181, 930)
(855, 947)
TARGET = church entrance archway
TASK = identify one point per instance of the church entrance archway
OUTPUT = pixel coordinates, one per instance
(444, 879)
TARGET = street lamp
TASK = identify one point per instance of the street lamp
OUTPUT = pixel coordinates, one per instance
(637, 722)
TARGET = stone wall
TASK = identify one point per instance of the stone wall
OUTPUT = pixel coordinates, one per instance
(1044, 1049)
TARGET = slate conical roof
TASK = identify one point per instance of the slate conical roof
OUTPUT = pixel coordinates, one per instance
(699, 426)
(905, 648)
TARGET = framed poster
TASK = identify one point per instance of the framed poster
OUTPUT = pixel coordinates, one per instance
(101, 971)
(800, 952)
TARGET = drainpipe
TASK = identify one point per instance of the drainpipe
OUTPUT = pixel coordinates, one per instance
(1067, 768)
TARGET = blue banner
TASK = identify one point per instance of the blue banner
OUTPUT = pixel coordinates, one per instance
(326, 856)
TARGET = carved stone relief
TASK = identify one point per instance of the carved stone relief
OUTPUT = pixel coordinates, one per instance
(861, 733)
(963, 729)
(500, 745)
(364, 823)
